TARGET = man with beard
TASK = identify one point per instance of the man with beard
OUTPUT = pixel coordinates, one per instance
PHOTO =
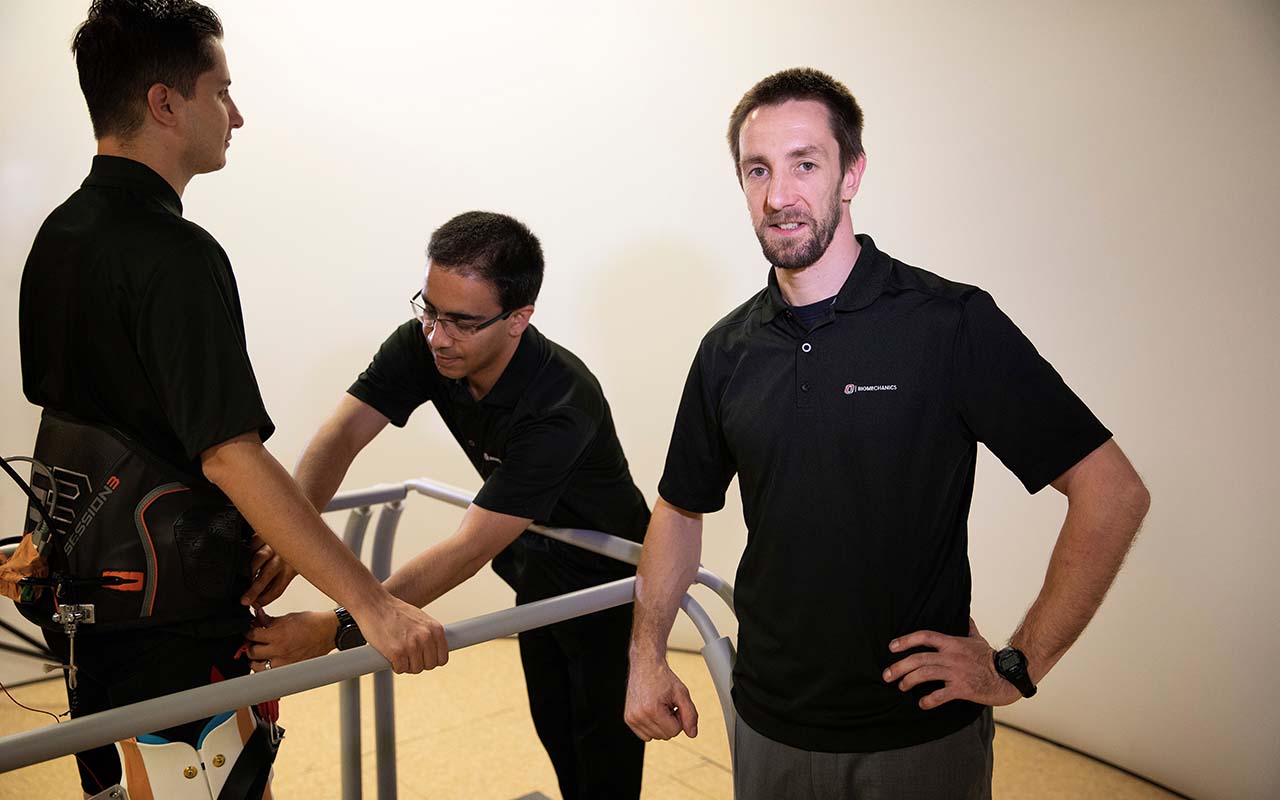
(849, 397)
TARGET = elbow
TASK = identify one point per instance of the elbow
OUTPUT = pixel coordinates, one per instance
(473, 559)
(215, 463)
(1139, 499)
(222, 462)
(471, 567)
(1131, 500)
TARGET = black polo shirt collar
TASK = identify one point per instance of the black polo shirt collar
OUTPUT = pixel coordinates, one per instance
(860, 289)
(115, 172)
(514, 380)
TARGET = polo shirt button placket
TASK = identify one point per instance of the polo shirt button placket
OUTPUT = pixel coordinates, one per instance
(804, 398)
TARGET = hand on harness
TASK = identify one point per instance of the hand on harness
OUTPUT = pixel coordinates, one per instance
(271, 574)
(288, 639)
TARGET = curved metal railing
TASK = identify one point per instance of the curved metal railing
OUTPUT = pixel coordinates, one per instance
(30, 747)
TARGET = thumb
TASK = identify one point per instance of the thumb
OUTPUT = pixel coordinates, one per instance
(687, 712)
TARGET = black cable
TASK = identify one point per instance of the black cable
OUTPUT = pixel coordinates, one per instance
(52, 676)
(26, 488)
(22, 651)
(31, 640)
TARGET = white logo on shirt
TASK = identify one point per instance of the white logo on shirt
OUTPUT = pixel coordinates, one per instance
(851, 388)
(488, 457)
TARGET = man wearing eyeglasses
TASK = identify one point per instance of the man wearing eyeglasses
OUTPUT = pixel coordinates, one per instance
(536, 426)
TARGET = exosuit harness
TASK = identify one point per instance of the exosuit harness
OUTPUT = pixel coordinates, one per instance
(123, 540)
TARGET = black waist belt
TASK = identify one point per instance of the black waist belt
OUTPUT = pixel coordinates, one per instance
(171, 543)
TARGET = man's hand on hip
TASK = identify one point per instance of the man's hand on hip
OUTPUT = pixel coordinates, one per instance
(658, 704)
(963, 664)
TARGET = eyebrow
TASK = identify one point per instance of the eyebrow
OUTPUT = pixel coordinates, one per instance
(806, 151)
(456, 316)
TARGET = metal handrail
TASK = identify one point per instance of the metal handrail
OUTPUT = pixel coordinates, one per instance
(601, 543)
(105, 727)
(717, 650)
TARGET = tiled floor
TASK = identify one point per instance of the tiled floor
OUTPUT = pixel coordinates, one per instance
(464, 732)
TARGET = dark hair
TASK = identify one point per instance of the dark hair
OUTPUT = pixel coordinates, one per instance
(494, 247)
(804, 83)
(124, 47)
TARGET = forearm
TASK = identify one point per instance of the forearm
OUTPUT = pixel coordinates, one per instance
(434, 572)
(323, 466)
(276, 508)
(1103, 517)
(668, 565)
(481, 536)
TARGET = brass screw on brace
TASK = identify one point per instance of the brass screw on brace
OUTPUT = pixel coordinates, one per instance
(219, 760)
(189, 772)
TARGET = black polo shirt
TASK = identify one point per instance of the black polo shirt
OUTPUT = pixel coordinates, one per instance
(542, 439)
(129, 316)
(855, 444)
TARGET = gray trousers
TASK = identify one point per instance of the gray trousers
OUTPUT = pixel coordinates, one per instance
(955, 766)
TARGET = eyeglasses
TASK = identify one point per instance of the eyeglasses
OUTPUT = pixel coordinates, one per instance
(454, 329)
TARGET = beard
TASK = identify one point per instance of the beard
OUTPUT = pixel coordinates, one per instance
(800, 253)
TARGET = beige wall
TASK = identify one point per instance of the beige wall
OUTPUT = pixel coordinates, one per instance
(1106, 170)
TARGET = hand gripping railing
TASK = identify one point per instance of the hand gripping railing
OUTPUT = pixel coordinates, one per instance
(717, 650)
(105, 727)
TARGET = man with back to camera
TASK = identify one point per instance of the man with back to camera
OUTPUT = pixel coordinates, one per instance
(860, 671)
(130, 321)
(535, 424)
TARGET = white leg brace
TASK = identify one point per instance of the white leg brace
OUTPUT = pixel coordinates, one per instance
(158, 770)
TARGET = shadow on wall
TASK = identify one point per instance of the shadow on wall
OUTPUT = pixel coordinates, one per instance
(659, 296)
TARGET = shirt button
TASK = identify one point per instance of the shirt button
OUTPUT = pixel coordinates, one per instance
(804, 387)
(471, 443)
(806, 347)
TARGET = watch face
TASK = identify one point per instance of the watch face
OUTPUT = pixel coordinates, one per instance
(349, 637)
(1010, 661)
(1012, 666)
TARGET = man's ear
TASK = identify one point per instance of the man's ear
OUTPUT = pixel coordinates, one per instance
(518, 321)
(164, 105)
(853, 178)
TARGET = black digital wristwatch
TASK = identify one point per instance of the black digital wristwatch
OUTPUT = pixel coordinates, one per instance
(1011, 664)
(348, 635)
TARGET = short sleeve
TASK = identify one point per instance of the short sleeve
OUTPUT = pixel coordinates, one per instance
(191, 343)
(400, 376)
(1014, 401)
(699, 463)
(540, 459)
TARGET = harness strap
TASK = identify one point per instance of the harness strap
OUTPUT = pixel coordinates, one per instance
(248, 777)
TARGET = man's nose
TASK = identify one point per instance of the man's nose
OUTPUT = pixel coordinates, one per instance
(436, 335)
(782, 192)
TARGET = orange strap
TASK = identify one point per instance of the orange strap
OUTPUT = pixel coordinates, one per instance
(135, 580)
